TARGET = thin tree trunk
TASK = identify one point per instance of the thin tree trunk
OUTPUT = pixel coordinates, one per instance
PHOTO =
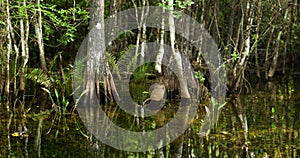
(259, 15)
(24, 56)
(239, 34)
(177, 55)
(144, 29)
(198, 58)
(39, 34)
(216, 33)
(160, 53)
(231, 27)
(289, 34)
(266, 64)
(2, 43)
(16, 50)
(25, 49)
(182, 80)
(246, 51)
(141, 33)
(240, 67)
(277, 47)
(205, 13)
(9, 50)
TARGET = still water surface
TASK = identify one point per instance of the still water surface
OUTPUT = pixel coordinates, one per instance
(267, 120)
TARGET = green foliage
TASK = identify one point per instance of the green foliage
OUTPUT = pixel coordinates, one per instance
(53, 86)
(200, 76)
(183, 4)
(66, 20)
(138, 82)
(273, 110)
(254, 36)
(141, 72)
(1, 22)
(178, 3)
(59, 89)
(235, 56)
(38, 76)
(60, 103)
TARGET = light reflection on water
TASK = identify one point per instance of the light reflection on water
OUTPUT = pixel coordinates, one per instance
(268, 122)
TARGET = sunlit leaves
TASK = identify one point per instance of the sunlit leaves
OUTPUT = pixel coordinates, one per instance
(200, 76)
(178, 4)
(183, 4)
(273, 110)
(66, 20)
(38, 76)
(235, 56)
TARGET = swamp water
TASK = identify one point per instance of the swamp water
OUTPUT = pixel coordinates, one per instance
(268, 122)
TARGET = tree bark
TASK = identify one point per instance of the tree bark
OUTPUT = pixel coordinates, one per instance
(259, 15)
(177, 55)
(246, 45)
(215, 31)
(277, 46)
(230, 40)
(160, 53)
(266, 64)
(39, 34)
(16, 50)
(25, 49)
(9, 50)
(96, 63)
